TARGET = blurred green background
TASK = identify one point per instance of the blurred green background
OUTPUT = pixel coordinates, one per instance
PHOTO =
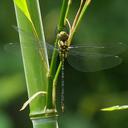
(85, 93)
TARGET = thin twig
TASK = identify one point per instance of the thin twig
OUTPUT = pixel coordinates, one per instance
(77, 14)
(83, 6)
(69, 25)
(76, 18)
(32, 98)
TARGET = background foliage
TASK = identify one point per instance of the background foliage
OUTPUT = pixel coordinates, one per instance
(85, 93)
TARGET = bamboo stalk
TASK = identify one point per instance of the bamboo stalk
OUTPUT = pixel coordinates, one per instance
(63, 14)
(35, 60)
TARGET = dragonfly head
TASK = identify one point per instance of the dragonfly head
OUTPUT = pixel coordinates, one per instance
(62, 36)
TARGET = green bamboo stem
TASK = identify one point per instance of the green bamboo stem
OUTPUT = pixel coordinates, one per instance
(53, 88)
(35, 65)
(55, 81)
(45, 123)
(63, 14)
(57, 73)
(51, 74)
(53, 64)
(67, 11)
(31, 60)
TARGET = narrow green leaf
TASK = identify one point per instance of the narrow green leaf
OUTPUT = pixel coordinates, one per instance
(113, 108)
(22, 4)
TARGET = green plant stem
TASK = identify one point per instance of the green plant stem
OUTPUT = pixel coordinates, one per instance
(49, 122)
(77, 15)
(53, 64)
(64, 12)
(84, 7)
(67, 11)
(52, 88)
(57, 73)
(81, 11)
(51, 77)
(55, 81)
(28, 49)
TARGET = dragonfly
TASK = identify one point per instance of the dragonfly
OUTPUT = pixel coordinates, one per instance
(92, 57)
(86, 57)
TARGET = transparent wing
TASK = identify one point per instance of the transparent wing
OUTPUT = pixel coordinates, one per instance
(87, 58)
(14, 48)
(50, 49)
(109, 48)
(93, 57)
(93, 62)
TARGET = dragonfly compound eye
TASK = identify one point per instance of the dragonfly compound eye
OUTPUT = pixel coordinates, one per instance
(63, 36)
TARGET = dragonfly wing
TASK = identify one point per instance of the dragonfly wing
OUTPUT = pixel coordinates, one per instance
(93, 62)
(50, 49)
(102, 48)
(14, 48)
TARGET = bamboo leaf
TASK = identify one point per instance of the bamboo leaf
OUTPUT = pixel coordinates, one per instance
(22, 5)
(113, 108)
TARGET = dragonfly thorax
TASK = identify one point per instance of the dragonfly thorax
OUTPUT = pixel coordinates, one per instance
(63, 48)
